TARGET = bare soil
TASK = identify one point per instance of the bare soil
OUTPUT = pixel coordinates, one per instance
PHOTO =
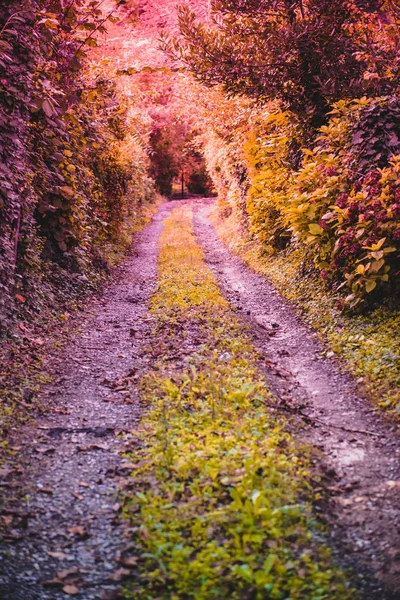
(65, 535)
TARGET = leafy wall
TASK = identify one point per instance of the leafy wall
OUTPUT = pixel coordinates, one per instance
(73, 167)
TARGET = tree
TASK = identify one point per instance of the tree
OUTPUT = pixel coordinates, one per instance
(306, 53)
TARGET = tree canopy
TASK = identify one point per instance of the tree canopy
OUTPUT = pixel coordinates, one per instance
(306, 53)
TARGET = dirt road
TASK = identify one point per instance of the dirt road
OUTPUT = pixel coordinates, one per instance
(66, 536)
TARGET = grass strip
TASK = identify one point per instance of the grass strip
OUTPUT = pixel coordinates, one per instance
(369, 343)
(221, 501)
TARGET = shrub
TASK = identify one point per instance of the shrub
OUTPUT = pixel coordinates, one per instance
(268, 154)
(72, 169)
(346, 209)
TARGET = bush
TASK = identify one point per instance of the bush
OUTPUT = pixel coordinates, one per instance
(343, 201)
(268, 154)
(72, 169)
(347, 213)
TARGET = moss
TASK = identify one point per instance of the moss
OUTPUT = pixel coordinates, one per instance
(368, 343)
(221, 504)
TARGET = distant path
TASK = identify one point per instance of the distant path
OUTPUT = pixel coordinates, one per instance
(360, 448)
(69, 461)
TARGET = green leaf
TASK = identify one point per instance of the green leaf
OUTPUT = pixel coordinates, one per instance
(370, 285)
(315, 229)
(269, 563)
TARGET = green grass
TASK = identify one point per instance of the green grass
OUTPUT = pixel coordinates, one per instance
(221, 505)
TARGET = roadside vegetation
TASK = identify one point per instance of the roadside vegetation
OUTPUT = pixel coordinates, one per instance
(305, 160)
(222, 497)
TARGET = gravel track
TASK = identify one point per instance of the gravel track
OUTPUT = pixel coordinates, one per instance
(69, 467)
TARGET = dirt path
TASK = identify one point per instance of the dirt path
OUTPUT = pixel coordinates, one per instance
(69, 464)
(360, 450)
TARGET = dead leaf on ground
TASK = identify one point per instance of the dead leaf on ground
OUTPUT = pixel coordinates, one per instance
(92, 447)
(71, 590)
(6, 520)
(129, 561)
(129, 465)
(77, 530)
(68, 573)
(48, 491)
(120, 574)
(84, 484)
(393, 484)
(77, 496)
(45, 450)
(59, 555)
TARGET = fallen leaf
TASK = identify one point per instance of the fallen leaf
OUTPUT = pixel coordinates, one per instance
(20, 298)
(45, 450)
(120, 574)
(59, 555)
(71, 590)
(129, 561)
(65, 574)
(83, 484)
(77, 530)
(129, 465)
(45, 491)
(77, 496)
(92, 447)
(393, 484)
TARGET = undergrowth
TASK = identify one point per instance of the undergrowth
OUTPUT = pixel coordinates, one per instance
(221, 505)
(368, 342)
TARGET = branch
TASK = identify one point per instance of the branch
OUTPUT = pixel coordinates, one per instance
(92, 33)
(10, 18)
